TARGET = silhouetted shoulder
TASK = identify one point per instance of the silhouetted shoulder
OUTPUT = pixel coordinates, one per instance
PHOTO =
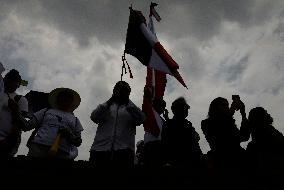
(204, 125)
(189, 124)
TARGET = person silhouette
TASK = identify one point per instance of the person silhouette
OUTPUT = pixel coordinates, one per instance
(57, 130)
(266, 146)
(117, 118)
(180, 140)
(12, 105)
(224, 138)
(152, 143)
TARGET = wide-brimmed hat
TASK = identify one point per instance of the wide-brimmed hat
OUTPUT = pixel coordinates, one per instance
(53, 95)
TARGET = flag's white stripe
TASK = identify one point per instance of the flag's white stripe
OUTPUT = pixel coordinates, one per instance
(152, 39)
(157, 63)
(152, 29)
(151, 26)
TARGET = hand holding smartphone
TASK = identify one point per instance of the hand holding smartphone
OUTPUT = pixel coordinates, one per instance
(236, 101)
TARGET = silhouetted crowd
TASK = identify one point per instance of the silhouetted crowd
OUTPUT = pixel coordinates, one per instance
(57, 134)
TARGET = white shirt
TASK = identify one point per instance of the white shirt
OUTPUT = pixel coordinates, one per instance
(50, 121)
(148, 137)
(5, 114)
(116, 126)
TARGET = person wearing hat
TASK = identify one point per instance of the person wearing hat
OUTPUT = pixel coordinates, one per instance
(56, 125)
(12, 105)
(180, 140)
(117, 118)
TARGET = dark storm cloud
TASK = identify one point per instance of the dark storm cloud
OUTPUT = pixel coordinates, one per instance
(221, 46)
(107, 20)
(9, 45)
(203, 18)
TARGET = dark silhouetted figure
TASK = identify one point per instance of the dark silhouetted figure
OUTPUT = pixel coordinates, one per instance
(224, 138)
(267, 146)
(114, 143)
(13, 105)
(58, 131)
(180, 140)
(152, 147)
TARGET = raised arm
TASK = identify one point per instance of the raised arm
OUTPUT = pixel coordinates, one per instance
(100, 113)
(34, 121)
(245, 129)
(136, 113)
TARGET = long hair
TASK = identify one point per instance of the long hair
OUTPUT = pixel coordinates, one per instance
(260, 115)
(214, 105)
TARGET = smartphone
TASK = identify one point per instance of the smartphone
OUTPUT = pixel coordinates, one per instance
(236, 99)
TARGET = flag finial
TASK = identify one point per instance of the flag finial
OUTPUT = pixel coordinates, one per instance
(153, 11)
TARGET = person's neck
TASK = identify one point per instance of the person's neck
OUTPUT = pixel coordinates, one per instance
(179, 118)
(120, 103)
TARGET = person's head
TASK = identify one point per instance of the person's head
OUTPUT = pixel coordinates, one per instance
(121, 92)
(64, 99)
(259, 115)
(219, 107)
(180, 108)
(12, 81)
(159, 105)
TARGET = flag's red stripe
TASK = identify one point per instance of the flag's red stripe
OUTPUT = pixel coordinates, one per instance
(179, 78)
(165, 56)
(161, 81)
(173, 66)
(150, 124)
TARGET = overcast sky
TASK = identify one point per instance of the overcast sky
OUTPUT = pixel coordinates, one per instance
(223, 47)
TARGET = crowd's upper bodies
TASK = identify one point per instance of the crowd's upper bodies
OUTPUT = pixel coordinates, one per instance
(57, 132)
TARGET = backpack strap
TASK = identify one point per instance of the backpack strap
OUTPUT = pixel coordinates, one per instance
(36, 129)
